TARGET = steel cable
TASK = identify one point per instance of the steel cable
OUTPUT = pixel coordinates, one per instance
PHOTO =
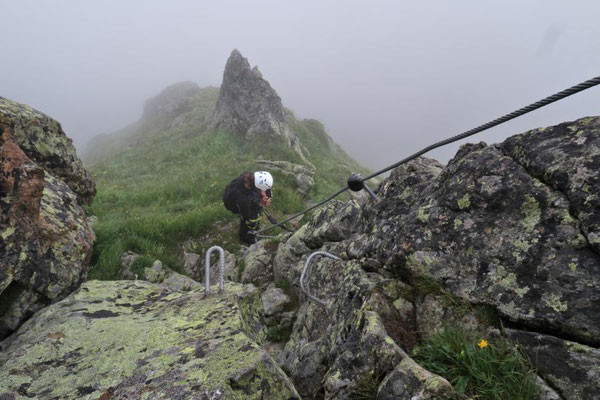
(534, 106)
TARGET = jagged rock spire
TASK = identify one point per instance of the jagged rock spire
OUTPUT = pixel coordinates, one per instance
(248, 105)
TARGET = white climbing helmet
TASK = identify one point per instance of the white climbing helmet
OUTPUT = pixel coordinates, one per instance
(263, 180)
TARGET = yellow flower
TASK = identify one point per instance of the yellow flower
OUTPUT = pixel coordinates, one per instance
(482, 344)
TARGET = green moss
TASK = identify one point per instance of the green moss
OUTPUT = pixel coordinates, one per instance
(279, 333)
(573, 267)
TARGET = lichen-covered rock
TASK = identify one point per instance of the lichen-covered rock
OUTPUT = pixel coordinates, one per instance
(249, 106)
(334, 222)
(195, 266)
(303, 176)
(158, 273)
(43, 141)
(571, 368)
(566, 157)
(127, 260)
(45, 241)
(258, 268)
(133, 339)
(493, 234)
(274, 301)
(411, 381)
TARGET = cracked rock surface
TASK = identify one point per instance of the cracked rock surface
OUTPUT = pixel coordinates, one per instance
(45, 239)
(134, 339)
(508, 228)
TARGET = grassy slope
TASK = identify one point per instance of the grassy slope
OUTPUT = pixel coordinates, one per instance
(165, 193)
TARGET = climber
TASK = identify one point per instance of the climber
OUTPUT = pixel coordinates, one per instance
(246, 195)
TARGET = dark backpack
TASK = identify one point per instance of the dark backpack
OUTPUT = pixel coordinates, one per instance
(229, 197)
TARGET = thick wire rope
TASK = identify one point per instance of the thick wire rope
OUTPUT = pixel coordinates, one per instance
(534, 106)
(550, 99)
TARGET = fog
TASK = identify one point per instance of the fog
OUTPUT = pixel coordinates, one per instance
(385, 77)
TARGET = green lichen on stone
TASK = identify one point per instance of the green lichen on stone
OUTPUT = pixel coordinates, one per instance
(578, 347)
(573, 267)
(124, 333)
(457, 223)
(531, 211)
(422, 215)
(7, 232)
(508, 280)
(464, 202)
(553, 301)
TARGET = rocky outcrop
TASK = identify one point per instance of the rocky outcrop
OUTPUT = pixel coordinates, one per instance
(493, 233)
(503, 232)
(42, 139)
(249, 106)
(194, 266)
(302, 176)
(133, 339)
(172, 102)
(45, 241)
(572, 368)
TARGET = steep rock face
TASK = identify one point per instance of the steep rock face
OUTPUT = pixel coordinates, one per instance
(134, 339)
(248, 105)
(494, 234)
(45, 241)
(508, 228)
(42, 139)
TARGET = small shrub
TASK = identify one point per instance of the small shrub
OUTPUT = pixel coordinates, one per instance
(294, 303)
(368, 386)
(478, 369)
(141, 263)
(279, 333)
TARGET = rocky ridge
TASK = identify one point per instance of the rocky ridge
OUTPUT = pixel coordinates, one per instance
(500, 241)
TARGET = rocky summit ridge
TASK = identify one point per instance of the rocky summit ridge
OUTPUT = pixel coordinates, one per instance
(501, 241)
(504, 241)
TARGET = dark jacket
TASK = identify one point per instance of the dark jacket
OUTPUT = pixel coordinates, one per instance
(240, 200)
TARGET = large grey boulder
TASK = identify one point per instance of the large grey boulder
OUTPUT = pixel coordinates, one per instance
(45, 240)
(45, 143)
(572, 368)
(258, 264)
(302, 175)
(494, 233)
(249, 106)
(134, 339)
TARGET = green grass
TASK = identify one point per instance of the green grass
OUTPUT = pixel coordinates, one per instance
(166, 191)
(279, 334)
(368, 386)
(497, 371)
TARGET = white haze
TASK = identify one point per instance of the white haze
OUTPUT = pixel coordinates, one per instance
(385, 77)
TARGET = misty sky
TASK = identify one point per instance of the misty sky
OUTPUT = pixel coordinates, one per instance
(385, 77)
